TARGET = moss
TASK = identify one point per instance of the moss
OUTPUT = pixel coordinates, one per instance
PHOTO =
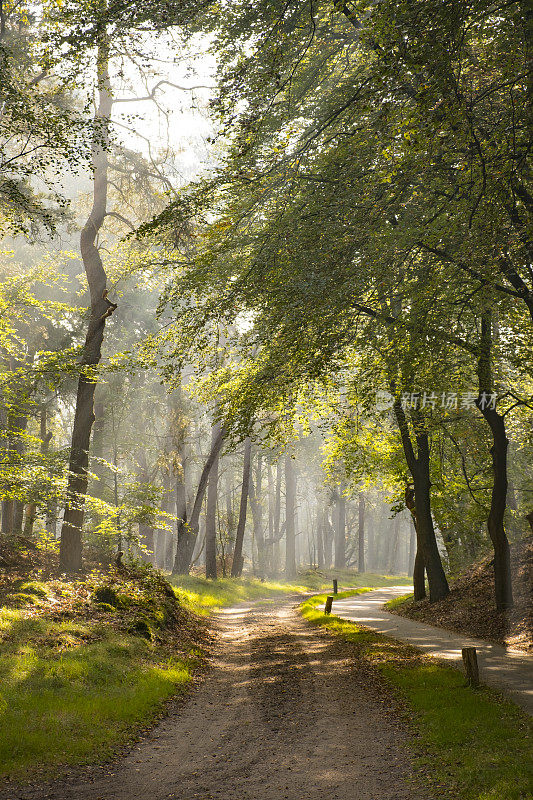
(30, 587)
(106, 607)
(141, 627)
(108, 596)
(22, 599)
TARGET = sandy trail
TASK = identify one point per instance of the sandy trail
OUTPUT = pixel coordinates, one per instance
(284, 714)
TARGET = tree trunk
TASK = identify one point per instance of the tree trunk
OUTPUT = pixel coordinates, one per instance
(276, 520)
(415, 549)
(29, 521)
(188, 531)
(320, 536)
(502, 557)
(328, 540)
(290, 515)
(70, 551)
(257, 518)
(340, 533)
(270, 549)
(393, 552)
(211, 513)
(361, 534)
(237, 565)
(412, 547)
(419, 469)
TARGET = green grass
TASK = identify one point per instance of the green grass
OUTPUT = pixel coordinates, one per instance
(396, 602)
(469, 744)
(72, 690)
(204, 595)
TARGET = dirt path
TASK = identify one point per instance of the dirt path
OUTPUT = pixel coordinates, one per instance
(284, 714)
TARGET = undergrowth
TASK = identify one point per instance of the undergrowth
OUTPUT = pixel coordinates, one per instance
(79, 675)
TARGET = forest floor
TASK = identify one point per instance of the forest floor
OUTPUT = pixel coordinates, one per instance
(285, 713)
(470, 608)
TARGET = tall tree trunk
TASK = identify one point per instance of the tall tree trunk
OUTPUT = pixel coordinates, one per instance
(270, 548)
(419, 469)
(230, 513)
(416, 556)
(18, 424)
(393, 552)
(188, 531)
(320, 535)
(328, 540)
(276, 520)
(290, 517)
(502, 557)
(340, 533)
(211, 513)
(361, 534)
(257, 518)
(31, 508)
(70, 550)
(412, 547)
(237, 565)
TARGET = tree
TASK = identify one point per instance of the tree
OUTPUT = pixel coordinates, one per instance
(236, 568)
(70, 554)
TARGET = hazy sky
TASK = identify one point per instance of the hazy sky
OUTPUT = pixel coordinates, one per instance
(182, 120)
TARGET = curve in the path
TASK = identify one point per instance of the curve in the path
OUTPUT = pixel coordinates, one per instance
(507, 670)
(286, 713)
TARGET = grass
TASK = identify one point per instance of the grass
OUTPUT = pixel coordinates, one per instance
(204, 595)
(73, 689)
(469, 744)
(396, 602)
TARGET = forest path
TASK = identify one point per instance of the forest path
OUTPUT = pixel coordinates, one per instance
(505, 669)
(285, 713)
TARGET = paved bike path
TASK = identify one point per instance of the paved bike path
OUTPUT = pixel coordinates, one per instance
(505, 669)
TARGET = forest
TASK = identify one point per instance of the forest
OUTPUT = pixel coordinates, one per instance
(266, 322)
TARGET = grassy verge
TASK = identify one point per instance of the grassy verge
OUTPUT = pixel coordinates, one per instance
(397, 602)
(78, 681)
(204, 595)
(468, 744)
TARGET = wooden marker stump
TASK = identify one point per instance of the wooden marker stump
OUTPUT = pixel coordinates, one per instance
(329, 603)
(335, 588)
(471, 667)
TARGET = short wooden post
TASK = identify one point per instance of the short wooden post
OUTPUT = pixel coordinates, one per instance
(335, 587)
(471, 667)
(329, 603)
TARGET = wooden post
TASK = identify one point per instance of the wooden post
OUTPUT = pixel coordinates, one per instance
(471, 667)
(329, 603)
(335, 587)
